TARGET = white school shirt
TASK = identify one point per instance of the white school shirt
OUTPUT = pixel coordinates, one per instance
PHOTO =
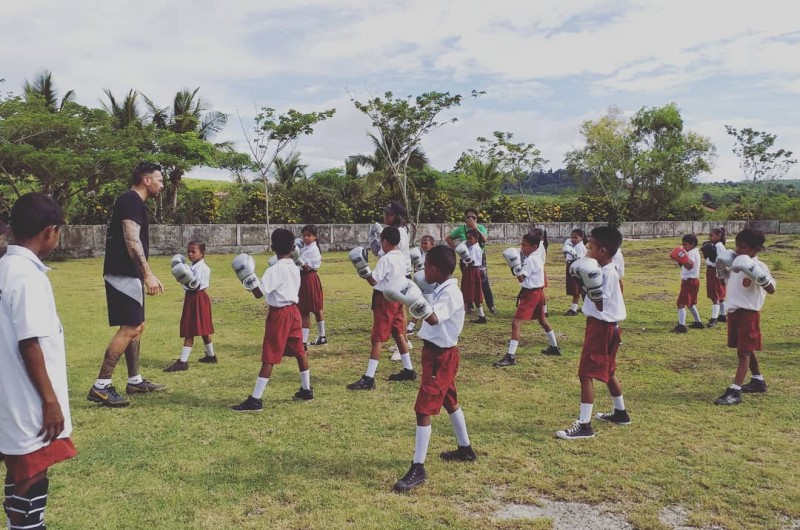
(751, 296)
(202, 273)
(694, 272)
(619, 262)
(541, 252)
(281, 283)
(391, 268)
(720, 246)
(475, 252)
(613, 303)
(311, 255)
(533, 269)
(27, 310)
(448, 305)
(580, 250)
(422, 255)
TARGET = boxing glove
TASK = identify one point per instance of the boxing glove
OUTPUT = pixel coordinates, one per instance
(724, 262)
(680, 255)
(298, 242)
(295, 255)
(408, 294)
(463, 251)
(416, 258)
(374, 238)
(751, 268)
(245, 268)
(589, 275)
(422, 283)
(183, 273)
(709, 251)
(569, 251)
(512, 257)
(177, 258)
(358, 257)
(272, 260)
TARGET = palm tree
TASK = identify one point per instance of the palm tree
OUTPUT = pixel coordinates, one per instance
(289, 170)
(43, 88)
(380, 175)
(126, 112)
(488, 176)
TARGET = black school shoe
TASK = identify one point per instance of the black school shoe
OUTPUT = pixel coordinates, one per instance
(250, 404)
(712, 323)
(415, 477)
(320, 341)
(571, 313)
(365, 383)
(620, 417)
(404, 375)
(722, 318)
(462, 454)
(755, 386)
(730, 397)
(680, 328)
(508, 360)
(305, 394)
(480, 320)
(145, 387)
(552, 350)
(212, 359)
(697, 325)
(578, 431)
(177, 366)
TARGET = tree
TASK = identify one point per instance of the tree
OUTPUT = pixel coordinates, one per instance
(484, 175)
(289, 170)
(380, 176)
(43, 88)
(125, 112)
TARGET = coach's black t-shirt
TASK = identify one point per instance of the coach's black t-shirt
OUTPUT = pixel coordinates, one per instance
(129, 206)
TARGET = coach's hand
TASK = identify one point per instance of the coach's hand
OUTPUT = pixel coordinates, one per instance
(152, 285)
(52, 421)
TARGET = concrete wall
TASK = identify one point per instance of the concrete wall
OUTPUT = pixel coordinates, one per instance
(79, 241)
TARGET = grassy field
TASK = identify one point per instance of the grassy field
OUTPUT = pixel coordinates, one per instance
(181, 459)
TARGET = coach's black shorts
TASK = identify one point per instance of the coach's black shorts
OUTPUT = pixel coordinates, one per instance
(122, 309)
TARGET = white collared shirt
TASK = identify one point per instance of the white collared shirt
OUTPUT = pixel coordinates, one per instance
(541, 252)
(475, 252)
(202, 273)
(533, 269)
(613, 303)
(281, 283)
(390, 269)
(448, 305)
(580, 250)
(28, 310)
(619, 262)
(694, 272)
(720, 246)
(744, 292)
(311, 255)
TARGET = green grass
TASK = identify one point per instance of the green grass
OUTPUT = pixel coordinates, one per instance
(203, 184)
(181, 459)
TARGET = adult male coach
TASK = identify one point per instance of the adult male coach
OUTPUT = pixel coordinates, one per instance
(460, 234)
(127, 277)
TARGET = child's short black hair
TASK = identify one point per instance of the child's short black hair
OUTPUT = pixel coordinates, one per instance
(32, 213)
(198, 244)
(542, 235)
(689, 238)
(282, 241)
(720, 232)
(392, 235)
(609, 238)
(531, 239)
(751, 237)
(443, 258)
(142, 169)
(472, 232)
(428, 238)
(311, 229)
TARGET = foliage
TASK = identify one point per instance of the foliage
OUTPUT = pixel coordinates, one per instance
(289, 170)
(198, 207)
(303, 203)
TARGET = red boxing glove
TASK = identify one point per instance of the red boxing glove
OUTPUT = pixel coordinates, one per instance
(680, 255)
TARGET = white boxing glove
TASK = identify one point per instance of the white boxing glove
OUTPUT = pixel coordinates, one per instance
(295, 255)
(358, 257)
(724, 262)
(589, 275)
(569, 251)
(463, 251)
(514, 261)
(374, 238)
(416, 258)
(422, 283)
(177, 258)
(408, 294)
(753, 269)
(298, 242)
(245, 268)
(183, 273)
(273, 260)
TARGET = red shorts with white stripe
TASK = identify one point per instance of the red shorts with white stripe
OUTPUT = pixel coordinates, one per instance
(744, 330)
(438, 386)
(599, 353)
(23, 467)
(283, 334)
(715, 289)
(689, 290)
(311, 298)
(388, 318)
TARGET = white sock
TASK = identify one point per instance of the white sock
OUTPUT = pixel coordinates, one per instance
(544, 308)
(715, 311)
(405, 358)
(682, 316)
(758, 377)
(261, 386)
(722, 307)
(735, 386)
(102, 383)
(551, 337)
(480, 311)
(460, 427)
(410, 327)
(512, 347)
(185, 352)
(321, 328)
(574, 307)
(421, 444)
(305, 380)
(305, 334)
(619, 403)
(695, 313)
(372, 367)
(210, 349)
(135, 380)
(586, 412)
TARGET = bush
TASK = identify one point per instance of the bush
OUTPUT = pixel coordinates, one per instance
(197, 207)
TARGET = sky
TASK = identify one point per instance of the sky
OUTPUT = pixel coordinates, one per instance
(546, 66)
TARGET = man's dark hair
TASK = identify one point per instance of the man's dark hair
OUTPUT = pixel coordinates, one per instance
(532, 239)
(443, 258)
(32, 213)
(282, 241)
(392, 235)
(198, 244)
(471, 211)
(607, 237)
(689, 238)
(143, 169)
(749, 236)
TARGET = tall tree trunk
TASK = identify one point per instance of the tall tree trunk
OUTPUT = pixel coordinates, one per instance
(175, 177)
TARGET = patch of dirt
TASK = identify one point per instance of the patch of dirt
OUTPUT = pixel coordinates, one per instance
(675, 517)
(567, 515)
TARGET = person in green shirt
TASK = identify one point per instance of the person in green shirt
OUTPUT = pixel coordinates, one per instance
(460, 234)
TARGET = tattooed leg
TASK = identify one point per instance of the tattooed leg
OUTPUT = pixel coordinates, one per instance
(119, 343)
(132, 357)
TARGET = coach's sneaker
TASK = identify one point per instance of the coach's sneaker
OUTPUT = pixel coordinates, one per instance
(730, 397)
(250, 404)
(680, 328)
(578, 431)
(712, 323)
(697, 325)
(212, 359)
(145, 387)
(415, 477)
(620, 417)
(755, 386)
(321, 341)
(306, 394)
(571, 313)
(722, 318)
(552, 350)
(508, 360)
(404, 375)
(462, 454)
(365, 383)
(177, 366)
(107, 396)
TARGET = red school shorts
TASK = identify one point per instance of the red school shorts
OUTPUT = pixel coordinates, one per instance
(744, 330)
(311, 298)
(715, 289)
(599, 353)
(689, 290)
(438, 386)
(23, 467)
(388, 318)
(283, 334)
(573, 289)
(471, 286)
(530, 304)
(196, 317)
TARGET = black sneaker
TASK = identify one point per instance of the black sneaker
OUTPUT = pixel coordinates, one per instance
(571, 313)
(508, 360)
(620, 417)
(320, 341)
(552, 350)
(712, 323)
(212, 359)
(305, 394)
(177, 366)
(365, 383)
(479, 320)
(145, 387)
(730, 397)
(250, 404)
(404, 375)
(722, 318)
(415, 477)
(755, 386)
(107, 396)
(679, 329)
(493, 310)
(578, 431)
(697, 325)
(462, 454)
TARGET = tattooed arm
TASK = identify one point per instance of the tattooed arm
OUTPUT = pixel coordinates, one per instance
(131, 230)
